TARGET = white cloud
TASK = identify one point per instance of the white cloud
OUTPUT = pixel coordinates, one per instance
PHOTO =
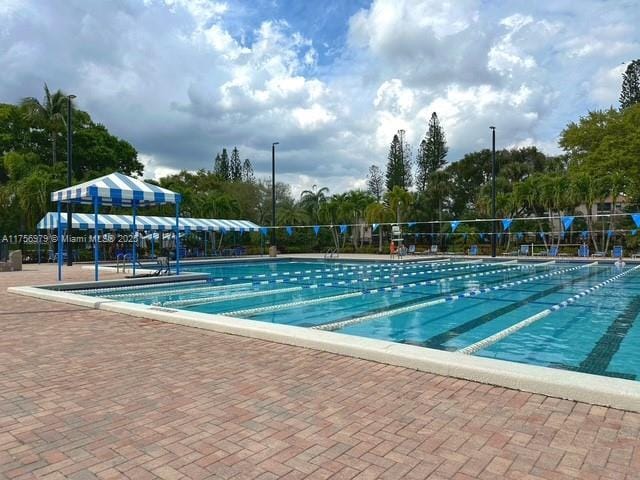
(180, 79)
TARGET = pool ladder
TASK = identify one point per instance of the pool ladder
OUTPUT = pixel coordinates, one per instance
(331, 253)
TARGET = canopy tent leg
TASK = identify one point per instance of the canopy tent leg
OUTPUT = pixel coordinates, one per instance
(177, 237)
(59, 240)
(135, 239)
(96, 244)
(38, 244)
(205, 242)
(153, 242)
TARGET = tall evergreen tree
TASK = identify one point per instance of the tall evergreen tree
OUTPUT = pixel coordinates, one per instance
(432, 152)
(235, 166)
(216, 164)
(630, 93)
(375, 182)
(398, 163)
(224, 172)
(247, 171)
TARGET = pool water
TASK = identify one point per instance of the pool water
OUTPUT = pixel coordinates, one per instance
(447, 305)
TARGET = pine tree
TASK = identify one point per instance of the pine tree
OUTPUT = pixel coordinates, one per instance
(398, 163)
(247, 171)
(225, 172)
(630, 94)
(216, 164)
(235, 166)
(375, 182)
(432, 152)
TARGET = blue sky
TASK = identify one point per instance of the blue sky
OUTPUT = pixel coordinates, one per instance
(332, 81)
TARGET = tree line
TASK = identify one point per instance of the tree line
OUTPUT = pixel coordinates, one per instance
(600, 164)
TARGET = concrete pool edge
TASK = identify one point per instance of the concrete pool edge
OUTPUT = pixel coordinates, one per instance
(592, 389)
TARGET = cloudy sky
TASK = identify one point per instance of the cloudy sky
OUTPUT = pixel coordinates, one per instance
(330, 80)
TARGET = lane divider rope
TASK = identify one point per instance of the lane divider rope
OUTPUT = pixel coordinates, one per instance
(430, 303)
(300, 303)
(486, 342)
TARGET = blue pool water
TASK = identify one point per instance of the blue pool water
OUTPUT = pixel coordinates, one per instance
(445, 305)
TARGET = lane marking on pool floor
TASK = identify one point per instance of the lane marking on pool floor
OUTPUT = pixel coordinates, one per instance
(438, 301)
(331, 298)
(486, 342)
(194, 289)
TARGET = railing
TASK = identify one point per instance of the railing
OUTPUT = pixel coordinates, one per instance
(124, 257)
(331, 253)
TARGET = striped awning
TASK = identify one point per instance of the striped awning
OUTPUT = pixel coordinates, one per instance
(84, 221)
(116, 189)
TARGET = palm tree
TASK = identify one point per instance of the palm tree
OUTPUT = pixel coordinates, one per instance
(587, 190)
(291, 213)
(378, 213)
(50, 114)
(399, 200)
(312, 200)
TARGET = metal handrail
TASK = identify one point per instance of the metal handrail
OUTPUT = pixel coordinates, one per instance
(123, 257)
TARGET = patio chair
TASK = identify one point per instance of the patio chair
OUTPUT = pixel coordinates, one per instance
(553, 251)
(583, 251)
(412, 249)
(617, 251)
(524, 250)
(473, 250)
(433, 250)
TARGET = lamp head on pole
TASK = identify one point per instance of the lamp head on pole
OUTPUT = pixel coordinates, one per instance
(71, 97)
(275, 143)
(492, 128)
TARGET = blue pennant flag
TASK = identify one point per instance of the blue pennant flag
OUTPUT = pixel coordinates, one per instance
(223, 230)
(636, 218)
(343, 229)
(519, 235)
(374, 227)
(610, 233)
(411, 224)
(566, 222)
(634, 232)
(584, 234)
(506, 223)
(241, 230)
(541, 235)
(264, 231)
(454, 225)
(482, 236)
(499, 236)
(289, 231)
(316, 229)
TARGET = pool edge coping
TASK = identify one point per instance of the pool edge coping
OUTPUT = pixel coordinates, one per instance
(576, 386)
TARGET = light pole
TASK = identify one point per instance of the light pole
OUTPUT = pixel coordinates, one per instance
(493, 191)
(273, 193)
(69, 167)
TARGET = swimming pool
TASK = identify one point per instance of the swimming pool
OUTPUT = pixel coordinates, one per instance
(573, 316)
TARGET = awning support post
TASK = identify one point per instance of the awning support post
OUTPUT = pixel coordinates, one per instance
(177, 237)
(96, 244)
(134, 238)
(59, 240)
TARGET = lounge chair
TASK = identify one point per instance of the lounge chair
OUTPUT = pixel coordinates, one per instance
(617, 251)
(524, 250)
(583, 251)
(553, 251)
(434, 250)
(411, 250)
(473, 250)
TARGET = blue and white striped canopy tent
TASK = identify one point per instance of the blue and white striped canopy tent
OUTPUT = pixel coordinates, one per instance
(119, 190)
(86, 221)
(116, 189)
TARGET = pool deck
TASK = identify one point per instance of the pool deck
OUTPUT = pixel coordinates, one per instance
(93, 394)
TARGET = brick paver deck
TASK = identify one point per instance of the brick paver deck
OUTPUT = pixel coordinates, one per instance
(88, 394)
